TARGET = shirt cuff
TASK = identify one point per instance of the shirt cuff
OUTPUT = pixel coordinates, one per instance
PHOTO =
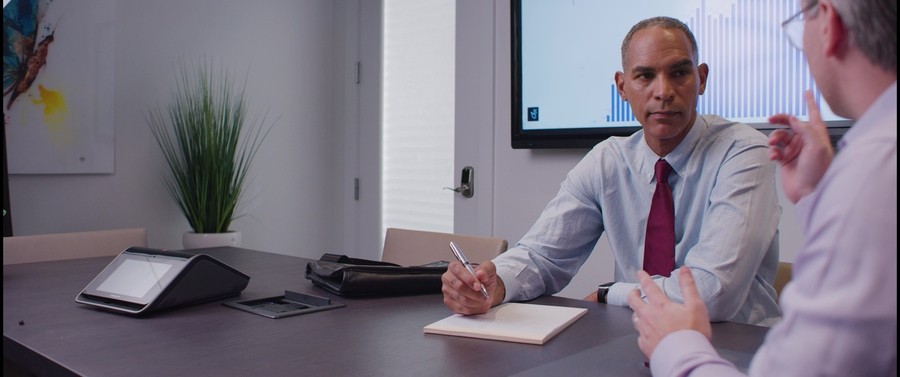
(685, 351)
(510, 284)
(618, 293)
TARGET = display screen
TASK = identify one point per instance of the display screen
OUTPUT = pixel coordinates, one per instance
(135, 277)
(565, 55)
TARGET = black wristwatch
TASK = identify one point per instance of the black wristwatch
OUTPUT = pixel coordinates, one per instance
(602, 290)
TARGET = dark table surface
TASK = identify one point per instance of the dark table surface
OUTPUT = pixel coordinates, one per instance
(47, 333)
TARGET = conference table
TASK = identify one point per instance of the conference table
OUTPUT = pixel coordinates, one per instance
(47, 333)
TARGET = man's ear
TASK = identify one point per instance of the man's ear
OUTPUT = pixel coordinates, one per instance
(834, 32)
(620, 85)
(703, 71)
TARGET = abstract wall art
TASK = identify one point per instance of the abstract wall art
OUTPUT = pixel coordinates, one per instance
(58, 86)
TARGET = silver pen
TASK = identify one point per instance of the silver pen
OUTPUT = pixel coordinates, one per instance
(457, 252)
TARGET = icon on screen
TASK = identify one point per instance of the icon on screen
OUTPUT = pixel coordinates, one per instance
(532, 114)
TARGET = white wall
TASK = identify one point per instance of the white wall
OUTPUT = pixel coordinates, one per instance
(525, 180)
(288, 50)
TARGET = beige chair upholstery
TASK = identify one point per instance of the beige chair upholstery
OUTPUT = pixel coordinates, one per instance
(782, 276)
(59, 246)
(415, 247)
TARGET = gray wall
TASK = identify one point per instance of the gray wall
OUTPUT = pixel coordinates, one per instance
(288, 49)
(297, 53)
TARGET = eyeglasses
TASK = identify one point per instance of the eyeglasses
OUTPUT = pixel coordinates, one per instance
(793, 27)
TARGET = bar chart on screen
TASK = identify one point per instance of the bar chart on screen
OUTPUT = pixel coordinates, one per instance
(569, 52)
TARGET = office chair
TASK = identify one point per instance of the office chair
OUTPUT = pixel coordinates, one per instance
(782, 276)
(59, 246)
(408, 247)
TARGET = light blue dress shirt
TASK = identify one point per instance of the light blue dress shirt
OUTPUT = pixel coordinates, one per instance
(840, 308)
(726, 221)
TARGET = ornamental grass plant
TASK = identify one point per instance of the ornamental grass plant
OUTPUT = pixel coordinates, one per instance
(207, 143)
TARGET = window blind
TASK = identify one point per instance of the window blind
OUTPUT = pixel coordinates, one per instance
(418, 114)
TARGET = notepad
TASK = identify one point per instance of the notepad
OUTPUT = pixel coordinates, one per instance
(510, 322)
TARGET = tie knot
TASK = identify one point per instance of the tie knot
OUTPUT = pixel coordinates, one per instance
(662, 170)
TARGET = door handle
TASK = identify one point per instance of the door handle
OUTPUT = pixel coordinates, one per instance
(466, 183)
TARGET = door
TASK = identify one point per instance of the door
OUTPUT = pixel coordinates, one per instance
(476, 112)
(474, 127)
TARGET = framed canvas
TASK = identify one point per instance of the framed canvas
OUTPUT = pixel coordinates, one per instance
(58, 86)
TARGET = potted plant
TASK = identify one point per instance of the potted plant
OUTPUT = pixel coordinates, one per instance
(208, 146)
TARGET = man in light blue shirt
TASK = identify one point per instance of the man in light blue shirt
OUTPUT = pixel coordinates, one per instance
(723, 187)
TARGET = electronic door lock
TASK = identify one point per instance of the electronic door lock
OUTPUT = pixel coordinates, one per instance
(466, 183)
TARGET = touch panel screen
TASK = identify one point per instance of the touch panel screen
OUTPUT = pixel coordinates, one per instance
(135, 278)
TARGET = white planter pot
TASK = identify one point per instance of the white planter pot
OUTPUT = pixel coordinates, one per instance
(192, 240)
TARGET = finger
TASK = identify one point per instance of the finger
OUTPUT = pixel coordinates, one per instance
(774, 154)
(796, 126)
(454, 301)
(634, 300)
(815, 126)
(779, 137)
(778, 140)
(788, 120)
(651, 290)
(462, 281)
(814, 115)
(688, 287)
(643, 344)
(484, 273)
(461, 273)
(783, 119)
(451, 290)
(464, 303)
(792, 146)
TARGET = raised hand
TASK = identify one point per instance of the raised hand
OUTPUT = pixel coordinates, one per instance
(803, 150)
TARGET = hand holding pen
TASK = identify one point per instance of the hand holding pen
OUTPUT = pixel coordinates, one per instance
(458, 253)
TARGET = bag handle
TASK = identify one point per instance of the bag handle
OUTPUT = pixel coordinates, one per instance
(338, 258)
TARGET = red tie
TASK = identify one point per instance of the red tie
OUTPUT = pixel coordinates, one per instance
(659, 245)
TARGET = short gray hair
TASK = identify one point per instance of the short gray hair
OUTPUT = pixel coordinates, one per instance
(872, 25)
(667, 23)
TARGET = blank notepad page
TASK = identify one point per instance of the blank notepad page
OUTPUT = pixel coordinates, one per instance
(510, 322)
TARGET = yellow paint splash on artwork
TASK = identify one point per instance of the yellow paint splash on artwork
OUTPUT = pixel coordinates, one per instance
(55, 113)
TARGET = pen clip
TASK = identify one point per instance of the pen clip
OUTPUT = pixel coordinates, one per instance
(458, 254)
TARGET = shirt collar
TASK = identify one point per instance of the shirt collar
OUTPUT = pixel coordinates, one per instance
(678, 157)
(884, 105)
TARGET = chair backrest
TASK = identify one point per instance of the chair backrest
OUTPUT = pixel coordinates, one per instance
(408, 247)
(782, 276)
(59, 246)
